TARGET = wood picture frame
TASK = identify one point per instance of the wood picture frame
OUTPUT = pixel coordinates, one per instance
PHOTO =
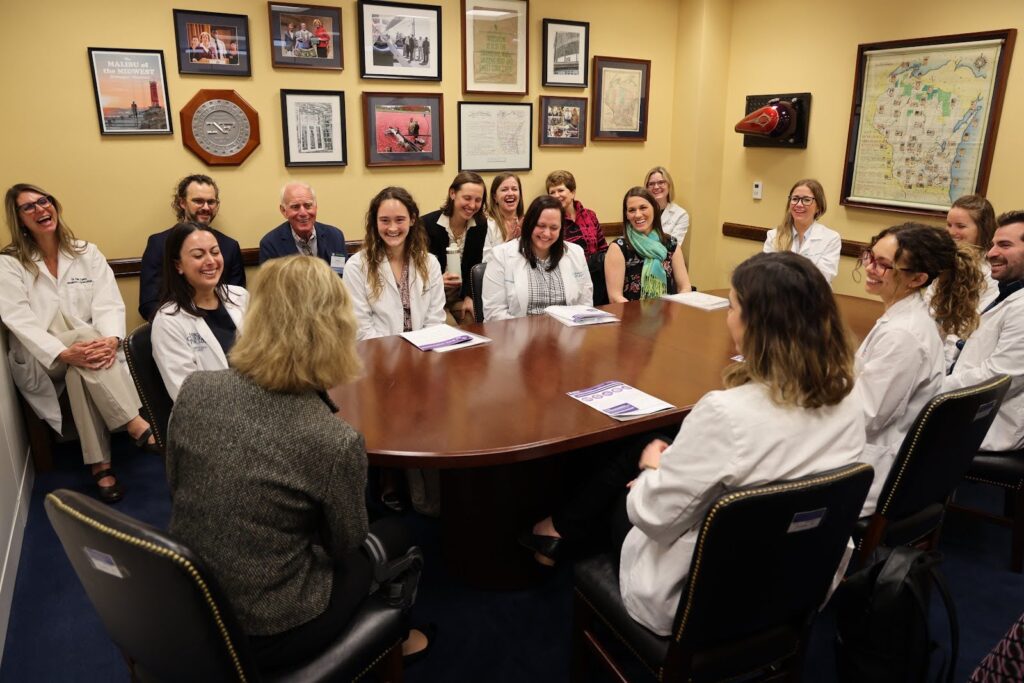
(291, 47)
(495, 46)
(131, 91)
(313, 128)
(495, 136)
(566, 49)
(385, 48)
(620, 100)
(403, 129)
(562, 122)
(212, 43)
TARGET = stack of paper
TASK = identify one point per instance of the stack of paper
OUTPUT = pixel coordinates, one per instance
(619, 400)
(442, 338)
(708, 302)
(574, 316)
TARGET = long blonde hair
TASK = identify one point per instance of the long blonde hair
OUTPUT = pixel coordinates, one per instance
(784, 233)
(22, 245)
(494, 211)
(416, 247)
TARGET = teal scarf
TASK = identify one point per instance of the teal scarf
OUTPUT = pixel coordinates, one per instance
(653, 282)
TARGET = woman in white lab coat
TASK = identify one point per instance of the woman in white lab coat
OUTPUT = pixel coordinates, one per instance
(786, 412)
(394, 280)
(199, 316)
(801, 232)
(900, 364)
(66, 318)
(538, 270)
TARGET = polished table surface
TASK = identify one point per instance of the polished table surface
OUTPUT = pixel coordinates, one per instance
(505, 402)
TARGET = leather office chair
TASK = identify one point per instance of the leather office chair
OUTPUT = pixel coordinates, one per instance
(932, 461)
(1004, 469)
(764, 561)
(156, 402)
(166, 614)
(476, 289)
(596, 265)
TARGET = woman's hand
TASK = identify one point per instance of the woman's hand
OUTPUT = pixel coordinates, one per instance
(452, 281)
(515, 231)
(650, 459)
(468, 312)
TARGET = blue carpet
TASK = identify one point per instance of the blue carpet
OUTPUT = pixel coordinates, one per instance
(54, 634)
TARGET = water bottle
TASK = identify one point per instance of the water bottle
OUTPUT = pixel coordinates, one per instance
(454, 258)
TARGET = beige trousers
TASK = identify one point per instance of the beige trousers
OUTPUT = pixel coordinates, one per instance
(101, 400)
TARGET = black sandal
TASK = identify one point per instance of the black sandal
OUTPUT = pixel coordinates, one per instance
(108, 494)
(143, 441)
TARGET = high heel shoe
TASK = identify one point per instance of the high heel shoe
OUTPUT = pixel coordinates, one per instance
(545, 548)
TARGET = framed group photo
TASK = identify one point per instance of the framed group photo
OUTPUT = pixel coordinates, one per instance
(403, 129)
(399, 40)
(305, 36)
(313, 124)
(566, 53)
(620, 99)
(212, 43)
(495, 44)
(131, 91)
(495, 136)
(563, 122)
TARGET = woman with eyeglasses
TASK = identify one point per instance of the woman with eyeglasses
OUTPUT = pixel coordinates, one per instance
(801, 232)
(674, 219)
(900, 364)
(66, 318)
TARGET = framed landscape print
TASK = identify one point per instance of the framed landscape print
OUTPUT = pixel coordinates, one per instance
(305, 36)
(620, 100)
(403, 129)
(313, 124)
(399, 40)
(566, 53)
(131, 91)
(495, 136)
(212, 43)
(924, 120)
(563, 122)
(495, 46)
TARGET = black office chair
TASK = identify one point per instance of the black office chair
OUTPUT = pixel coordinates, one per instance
(596, 265)
(1004, 469)
(476, 289)
(764, 560)
(156, 402)
(165, 612)
(932, 461)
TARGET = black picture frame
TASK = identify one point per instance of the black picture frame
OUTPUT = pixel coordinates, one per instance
(380, 24)
(221, 31)
(313, 128)
(621, 99)
(286, 49)
(120, 80)
(562, 122)
(566, 50)
(495, 136)
(387, 114)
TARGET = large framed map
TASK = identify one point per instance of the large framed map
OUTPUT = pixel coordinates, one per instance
(924, 119)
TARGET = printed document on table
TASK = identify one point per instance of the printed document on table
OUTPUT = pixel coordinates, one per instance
(709, 302)
(620, 401)
(443, 338)
(574, 316)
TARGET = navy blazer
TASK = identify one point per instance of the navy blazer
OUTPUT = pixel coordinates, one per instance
(280, 242)
(472, 250)
(153, 264)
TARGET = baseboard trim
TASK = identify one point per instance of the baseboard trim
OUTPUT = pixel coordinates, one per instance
(12, 556)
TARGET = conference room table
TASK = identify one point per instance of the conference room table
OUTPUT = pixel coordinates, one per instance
(497, 421)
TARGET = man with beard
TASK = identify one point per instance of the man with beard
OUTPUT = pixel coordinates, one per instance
(196, 199)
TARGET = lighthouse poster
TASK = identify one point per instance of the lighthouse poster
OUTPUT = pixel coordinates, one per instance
(131, 91)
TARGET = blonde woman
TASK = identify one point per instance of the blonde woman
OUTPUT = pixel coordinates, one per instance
(505, 211)
(801, 232)
(972, 220)
(674, 219)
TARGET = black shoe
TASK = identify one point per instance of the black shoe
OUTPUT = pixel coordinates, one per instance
(543, 547)
(108, 494)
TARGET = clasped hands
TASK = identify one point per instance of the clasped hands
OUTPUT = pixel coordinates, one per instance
(98, 354)
(650, 458)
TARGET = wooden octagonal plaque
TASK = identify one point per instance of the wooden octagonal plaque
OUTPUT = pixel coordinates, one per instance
(220, 127)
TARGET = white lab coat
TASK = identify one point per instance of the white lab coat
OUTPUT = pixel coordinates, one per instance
(675, 221)
(84, 291)
(899, 368)
(506, 290)
(184, 343)
(997, 348)
(731, 439)
(820, 244)
(493, 239)
(384, 316)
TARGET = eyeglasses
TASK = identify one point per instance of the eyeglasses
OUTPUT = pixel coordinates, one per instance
(657, 183)
(200, 202)
(867, 258)
(796, 199)
(41, 203)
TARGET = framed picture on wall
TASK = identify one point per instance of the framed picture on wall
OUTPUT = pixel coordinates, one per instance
(620, 101)
(305, 36)
(566, 53)
(131, 91)
(400, 40)
(495, 136)
(563, 122)
(924, 120)
(402, 129)
(313, 124)
(212, 43)
(495, 46)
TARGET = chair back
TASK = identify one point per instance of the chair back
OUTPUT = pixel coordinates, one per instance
(596, 265)
(476, 289)
(157, 601)
(156, 402)
(764, 561)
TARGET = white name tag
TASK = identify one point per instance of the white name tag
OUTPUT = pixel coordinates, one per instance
(337, 263)
(802, 521)
(103, 562)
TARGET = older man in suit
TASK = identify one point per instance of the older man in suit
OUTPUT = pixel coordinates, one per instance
(301, 233)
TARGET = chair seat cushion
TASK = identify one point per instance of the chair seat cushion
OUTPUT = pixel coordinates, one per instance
(1005, 468)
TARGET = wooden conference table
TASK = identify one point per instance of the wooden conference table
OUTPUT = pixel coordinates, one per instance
(489, 416)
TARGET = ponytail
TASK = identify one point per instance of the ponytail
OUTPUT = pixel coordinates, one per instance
(957, 291)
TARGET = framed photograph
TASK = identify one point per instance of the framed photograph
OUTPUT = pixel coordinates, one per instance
(621, 94)
(212, 43)
(131, 91)
(495, 46)
(563, 122)
(400, 40)
(494, 136)
(566, 53)
(403, 129)
(924, 119)
(313, 124)
(305, 36)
